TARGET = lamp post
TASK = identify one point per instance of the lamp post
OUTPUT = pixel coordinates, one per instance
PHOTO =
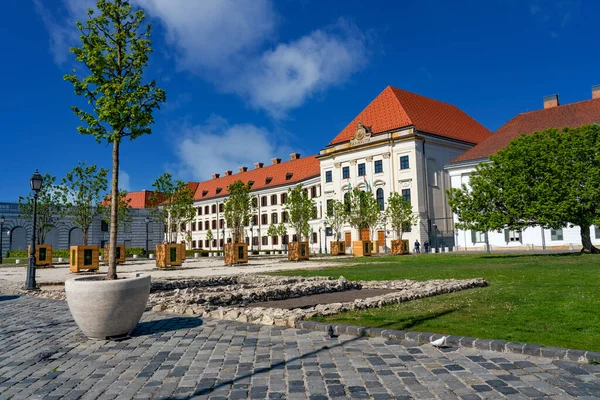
(147, 219)
(320, 248)
(36, 185)
(385, 235)
(1, 233)
(252, 235)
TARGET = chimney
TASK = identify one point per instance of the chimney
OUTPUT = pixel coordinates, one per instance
(258, 165)
(215, 176)
(294, 156)
(276, 161)
(551, 101)
(596, 92)
(227, 173)
(243, 169)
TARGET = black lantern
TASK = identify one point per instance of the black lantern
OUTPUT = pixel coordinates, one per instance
(36, 182)
(36, 185)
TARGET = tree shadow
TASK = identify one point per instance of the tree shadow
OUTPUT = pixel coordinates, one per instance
(414, 322)
(146, 328)
(561, 254)
(5, 298)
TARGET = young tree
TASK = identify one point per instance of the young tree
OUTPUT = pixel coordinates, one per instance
(173, 204)
(549, 179)
(124, 217)
(336, 217)
(400, 214)
(82, 192)
(209, 237)
(282, 231)
(188, 238)
(49, 208)
(300, 210)
(115, 44)
(273, 231)
(238, 209)
(363, 211)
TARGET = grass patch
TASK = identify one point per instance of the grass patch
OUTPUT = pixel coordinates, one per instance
(552, 300)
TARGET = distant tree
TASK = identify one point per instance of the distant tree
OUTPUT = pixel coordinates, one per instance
(82, 191)
(124, 216)
(188, 238)
(282, 230)
(363, 211)
(400, 214)
(209, 237)
(49, 208)
(238, 209)
(549, 179)
(336, 217)
(300, 210)
(273, 231)
(173, 204)
(115, 44)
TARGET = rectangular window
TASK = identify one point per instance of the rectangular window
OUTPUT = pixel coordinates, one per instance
(512, 236)
(206, 210)
(313, 192)
(477, 237)
(294, 238)
(285, 239)
(274, 200)
(275, 240)
(556, 234)
(274, 218)
(206, 243)
(214, 224)
(221, 242)
(597, 232)
(264, 219)
(346, 173)
(284, 217)
(193, 244)
(362, 170)
(214, 208)
(404, 162)
(406, 194)
(265, 240)
(221, 223)
(255, 241)
(378, 166)
(263, 201)
(406, 228)
(221, 207)
(328, 176)
(199, 211)
(103, 226)
(283, 198)
(314, 237)
(206, 225)
(329, 208)
(255, 220)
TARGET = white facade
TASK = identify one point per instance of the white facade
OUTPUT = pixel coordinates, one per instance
(269, 210)
(533, 238)
(412, 165)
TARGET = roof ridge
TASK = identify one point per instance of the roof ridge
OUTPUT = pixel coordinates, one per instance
(551, 108)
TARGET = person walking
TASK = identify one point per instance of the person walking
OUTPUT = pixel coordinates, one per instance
(426, 246)
(417, 246)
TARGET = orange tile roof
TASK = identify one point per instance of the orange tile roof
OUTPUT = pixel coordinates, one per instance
(395, 108)
(141, 199)
(300, 169)
(569, 115)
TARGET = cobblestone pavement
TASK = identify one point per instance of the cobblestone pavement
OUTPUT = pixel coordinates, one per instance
(43, 355)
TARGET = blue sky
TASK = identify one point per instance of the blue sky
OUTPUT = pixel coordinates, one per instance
(248, 80)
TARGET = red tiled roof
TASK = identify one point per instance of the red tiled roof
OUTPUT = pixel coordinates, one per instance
(570, 115)
(395, 108)
(141, 199)
(300, 169)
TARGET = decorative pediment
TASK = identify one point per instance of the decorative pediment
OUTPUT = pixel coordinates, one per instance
(362, 135)
(405, 183)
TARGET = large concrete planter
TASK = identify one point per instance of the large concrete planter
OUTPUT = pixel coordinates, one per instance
(107, 309)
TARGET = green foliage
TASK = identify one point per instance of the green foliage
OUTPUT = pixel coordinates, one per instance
(238, 208)
(273, 230)
(549, 179)
(124, 216)
(174, 204)
(282, 229)
(364, 210)
(336, 217)
(82, 191)
(300, 210)
(115, 46)
(400, 214)
(49, 208)
(209, 237)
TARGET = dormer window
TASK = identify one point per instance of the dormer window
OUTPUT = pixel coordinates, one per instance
(288, 176)
(268, 180)
(204, 193)
(250, 183)
(219, 190)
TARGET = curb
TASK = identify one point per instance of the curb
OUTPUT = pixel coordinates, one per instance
(501, 346)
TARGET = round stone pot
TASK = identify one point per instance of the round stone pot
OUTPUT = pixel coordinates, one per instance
(107, 309)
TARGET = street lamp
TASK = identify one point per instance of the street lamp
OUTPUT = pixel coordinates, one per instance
(325, 231)
(147, 219)
(36, 185)
(252, 235)
(385, 235)
(1, 233)
(320, 248)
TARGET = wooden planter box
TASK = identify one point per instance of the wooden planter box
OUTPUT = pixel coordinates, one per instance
(43, 254)
(374, 247)
(236, 253)
(120, 253)
(182, 251)
(168, 255)
(361, 248)
(297, 251)
(84, 258)
(400, 247)
(338, 248)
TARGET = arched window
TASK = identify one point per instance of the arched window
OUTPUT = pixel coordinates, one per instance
(380, 198)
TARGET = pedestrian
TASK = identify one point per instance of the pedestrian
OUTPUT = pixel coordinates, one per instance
(426, 246)
(417, 246)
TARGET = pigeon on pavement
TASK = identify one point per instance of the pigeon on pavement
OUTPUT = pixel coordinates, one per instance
(439, 342)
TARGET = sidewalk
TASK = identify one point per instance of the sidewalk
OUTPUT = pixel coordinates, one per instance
(43, 355)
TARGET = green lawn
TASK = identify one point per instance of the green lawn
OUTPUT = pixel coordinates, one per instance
(552, 300)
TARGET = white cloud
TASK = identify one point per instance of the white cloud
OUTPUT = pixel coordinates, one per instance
(218, 146)
(124, 182)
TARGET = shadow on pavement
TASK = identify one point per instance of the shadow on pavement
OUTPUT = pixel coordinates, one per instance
(165, 325)
(5, 298)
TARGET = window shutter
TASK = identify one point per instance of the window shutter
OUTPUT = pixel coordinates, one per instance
(506, 238)
(473, 237)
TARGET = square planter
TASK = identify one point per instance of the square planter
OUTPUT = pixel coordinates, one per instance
(297, 251)
(84, 258)
(361, 248)
(120, 253)
(43, 254)
(236, 253)
(168, 255)
(400, 247)
(182, 251)
(374, 247)
(338, 248)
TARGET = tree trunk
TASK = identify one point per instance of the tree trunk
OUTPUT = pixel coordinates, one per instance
(85, 237)
(586, 241)
(114, 213)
